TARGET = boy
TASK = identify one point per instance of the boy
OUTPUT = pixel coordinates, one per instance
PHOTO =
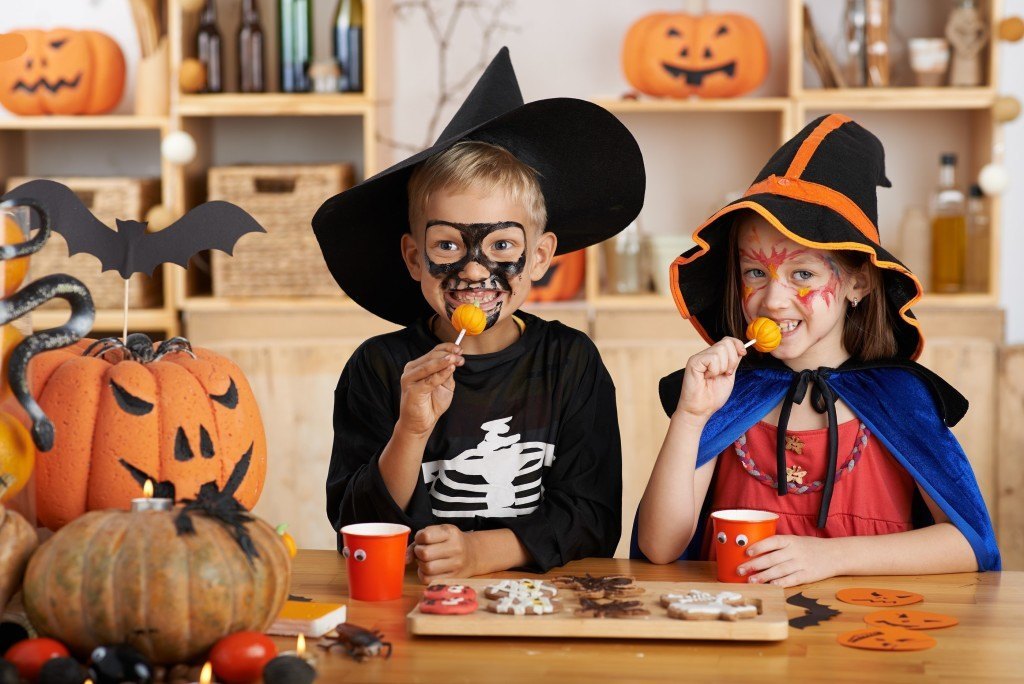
(502, 452)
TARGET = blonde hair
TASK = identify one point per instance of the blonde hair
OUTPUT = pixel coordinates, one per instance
(868, 329)
(480, 166)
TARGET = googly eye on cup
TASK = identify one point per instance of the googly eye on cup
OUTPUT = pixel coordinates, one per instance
(734, 531)
(375, 559)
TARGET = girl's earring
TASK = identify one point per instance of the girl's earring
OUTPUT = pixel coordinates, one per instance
(854, 302)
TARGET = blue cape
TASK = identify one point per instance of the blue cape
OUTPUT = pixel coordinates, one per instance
(906, 406)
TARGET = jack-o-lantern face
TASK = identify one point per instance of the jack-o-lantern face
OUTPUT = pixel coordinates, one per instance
(680, 55)
(878, 598)
(886, 639)
(563, 279)
(910, 619)
(178, 415)
(63, 72)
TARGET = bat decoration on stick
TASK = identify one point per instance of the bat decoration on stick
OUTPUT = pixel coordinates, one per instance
(130, 249)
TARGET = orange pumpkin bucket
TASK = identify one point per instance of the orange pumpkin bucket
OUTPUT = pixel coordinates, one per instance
(734, 532)
(375, 558)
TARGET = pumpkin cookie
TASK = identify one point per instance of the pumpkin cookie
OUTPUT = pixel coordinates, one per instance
(606, 587)
(519, 604)
(701, 605)
(525, 588)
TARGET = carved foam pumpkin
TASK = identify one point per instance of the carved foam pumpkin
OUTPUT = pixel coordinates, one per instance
(563, 279)
(117, 577)
(178, 415)
(680, 55)
(63, 71)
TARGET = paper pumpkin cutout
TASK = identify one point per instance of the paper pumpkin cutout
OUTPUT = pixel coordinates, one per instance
(878, 598)
(12, 46)
(886, 639)
(910, 619)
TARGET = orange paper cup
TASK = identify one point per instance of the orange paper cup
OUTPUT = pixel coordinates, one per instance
(375, 556)
(734, 531)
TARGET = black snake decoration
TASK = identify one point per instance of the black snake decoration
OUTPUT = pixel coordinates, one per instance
(36, 293)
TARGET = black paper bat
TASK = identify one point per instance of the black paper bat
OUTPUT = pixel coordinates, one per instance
(816, 612)
(214, 225)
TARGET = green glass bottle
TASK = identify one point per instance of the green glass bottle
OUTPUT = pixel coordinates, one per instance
(295, 25)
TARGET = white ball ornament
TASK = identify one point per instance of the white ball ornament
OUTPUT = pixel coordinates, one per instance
(994, 179)
(178, 148)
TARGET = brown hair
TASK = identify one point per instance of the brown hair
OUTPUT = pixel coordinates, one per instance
(478, 165)
(868, 329)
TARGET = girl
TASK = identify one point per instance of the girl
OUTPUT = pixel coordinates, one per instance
(865, 476)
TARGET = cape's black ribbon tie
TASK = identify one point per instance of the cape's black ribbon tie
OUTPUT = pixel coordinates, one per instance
(823, 399)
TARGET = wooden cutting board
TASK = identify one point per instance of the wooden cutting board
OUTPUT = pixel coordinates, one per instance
(771, 625)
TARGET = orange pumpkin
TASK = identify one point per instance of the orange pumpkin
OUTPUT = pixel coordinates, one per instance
(18, 541)
(63, 71)
(680, 55)
(114, 577)
(563, 279)
(178, 415)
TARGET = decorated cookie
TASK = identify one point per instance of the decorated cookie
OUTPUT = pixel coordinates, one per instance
(456, 605)
(606, 587)
(878, 598)
(446, 591)
(701, 605)
(526, 588)
(611, 609)
(520, 604)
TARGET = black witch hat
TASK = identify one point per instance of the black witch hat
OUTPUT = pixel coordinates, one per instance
(590, 171)
(818, 190)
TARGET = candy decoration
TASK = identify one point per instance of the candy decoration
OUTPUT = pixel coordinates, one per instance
(470, 319)
(764, 334)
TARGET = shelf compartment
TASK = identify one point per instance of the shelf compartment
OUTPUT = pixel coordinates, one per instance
(83, 123)
(274, 104)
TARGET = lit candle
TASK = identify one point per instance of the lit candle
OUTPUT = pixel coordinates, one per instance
(300, 651)
(148, 503)
(206, 675)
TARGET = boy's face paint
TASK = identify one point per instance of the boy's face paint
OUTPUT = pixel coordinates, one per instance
(800, 288)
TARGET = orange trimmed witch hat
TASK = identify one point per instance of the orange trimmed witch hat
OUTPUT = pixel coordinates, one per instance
(818, 189)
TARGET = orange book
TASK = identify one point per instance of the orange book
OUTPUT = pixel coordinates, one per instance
(307, 618)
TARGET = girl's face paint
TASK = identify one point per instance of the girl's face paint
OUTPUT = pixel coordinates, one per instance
(477, 246)
(800, 288)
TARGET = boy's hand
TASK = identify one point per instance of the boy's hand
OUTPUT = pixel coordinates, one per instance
(444, 551)
(428, 384)
(789, 560)
(709, 379)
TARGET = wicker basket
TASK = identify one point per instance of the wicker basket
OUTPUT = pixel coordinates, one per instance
(107, 199)
(286, 262)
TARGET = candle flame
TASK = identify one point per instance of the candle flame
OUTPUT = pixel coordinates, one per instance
(147, 489)
(206, 675)
(300, 646)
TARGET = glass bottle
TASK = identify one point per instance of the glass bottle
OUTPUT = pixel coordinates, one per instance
(209, 49)
(251, 59)
(295, 24)
(348, 44)
(628, 270)
(914, 248)
(949, 230)
(978, 241)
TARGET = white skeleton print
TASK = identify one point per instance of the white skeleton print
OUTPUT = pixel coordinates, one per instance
(511, 472)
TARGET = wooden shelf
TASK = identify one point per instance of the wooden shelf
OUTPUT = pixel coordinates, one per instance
(654, 105)
(275, 104)
(83, 123)
(110, 321)
(897, 98)
(269, 304)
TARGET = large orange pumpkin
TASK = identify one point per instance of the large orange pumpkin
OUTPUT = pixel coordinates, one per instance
(114, 577)
(680, 55)
(63, 71)
(563, 279)
(178, 415)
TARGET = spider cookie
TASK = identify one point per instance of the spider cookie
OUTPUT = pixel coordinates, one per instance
(701, 605)
(525, 605)
(606, 587)
(611, 609)
(522, 587)
(447, 591)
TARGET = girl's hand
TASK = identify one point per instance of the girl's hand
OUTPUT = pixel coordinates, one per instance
(709, 379)
(428, 385)
(786, 560)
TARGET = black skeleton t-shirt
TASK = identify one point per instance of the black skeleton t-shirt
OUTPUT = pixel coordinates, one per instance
(530, 443)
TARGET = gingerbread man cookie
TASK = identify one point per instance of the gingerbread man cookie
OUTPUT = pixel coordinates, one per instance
(526, 588)
(519, 604)
(701, 605)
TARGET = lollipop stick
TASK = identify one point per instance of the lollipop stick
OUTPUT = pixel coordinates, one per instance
(458, 340)
(753, 341)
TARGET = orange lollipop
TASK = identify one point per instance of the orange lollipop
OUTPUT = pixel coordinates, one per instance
(764, 334)
(469, 319)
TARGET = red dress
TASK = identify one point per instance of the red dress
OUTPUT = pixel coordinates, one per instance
(873, 493)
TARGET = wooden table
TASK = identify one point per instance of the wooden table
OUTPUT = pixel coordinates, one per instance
(987, 645)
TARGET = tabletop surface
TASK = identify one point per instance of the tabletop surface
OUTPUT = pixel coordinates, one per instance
(987, 645)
